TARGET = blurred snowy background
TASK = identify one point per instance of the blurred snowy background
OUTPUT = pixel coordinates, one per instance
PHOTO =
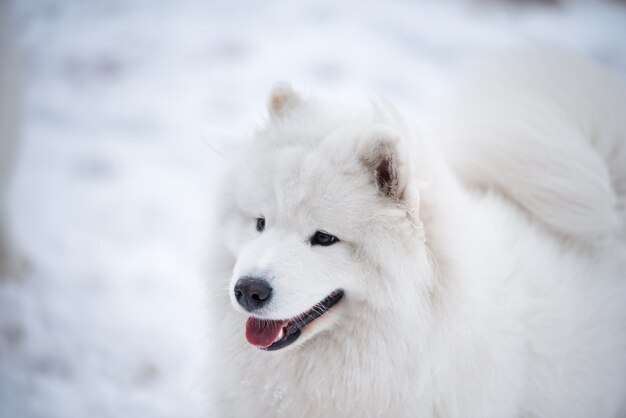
(129, 106)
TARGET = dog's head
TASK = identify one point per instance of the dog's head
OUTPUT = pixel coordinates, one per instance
(320, 216)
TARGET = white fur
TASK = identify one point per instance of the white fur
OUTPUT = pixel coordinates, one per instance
(486, 281)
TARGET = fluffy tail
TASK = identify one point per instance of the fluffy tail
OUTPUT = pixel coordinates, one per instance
(548, 130)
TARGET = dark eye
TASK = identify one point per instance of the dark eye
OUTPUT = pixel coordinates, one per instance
(260, 224)
(323, 239)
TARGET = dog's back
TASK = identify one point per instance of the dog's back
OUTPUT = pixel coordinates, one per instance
(546, 129)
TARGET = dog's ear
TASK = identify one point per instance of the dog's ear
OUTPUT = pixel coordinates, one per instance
(382, 152)
(282, 98)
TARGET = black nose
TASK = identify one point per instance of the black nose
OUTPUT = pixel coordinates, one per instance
(252, 293)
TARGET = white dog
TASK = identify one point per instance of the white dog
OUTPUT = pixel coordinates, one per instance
(475, 270)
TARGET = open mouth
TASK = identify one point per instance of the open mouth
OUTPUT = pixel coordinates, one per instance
(270, 335)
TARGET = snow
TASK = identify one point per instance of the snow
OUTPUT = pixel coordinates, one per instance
(130, 107)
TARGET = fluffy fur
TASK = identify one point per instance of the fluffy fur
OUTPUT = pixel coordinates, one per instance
(482, 260)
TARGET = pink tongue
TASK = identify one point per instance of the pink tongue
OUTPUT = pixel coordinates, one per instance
(263, 332)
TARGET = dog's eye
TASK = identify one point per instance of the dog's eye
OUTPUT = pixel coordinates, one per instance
(260, 224)
(323, 239)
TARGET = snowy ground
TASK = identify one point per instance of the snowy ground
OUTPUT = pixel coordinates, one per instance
(130, 105)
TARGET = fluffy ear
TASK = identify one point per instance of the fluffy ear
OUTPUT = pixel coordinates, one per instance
(282, 98)
(380, 151)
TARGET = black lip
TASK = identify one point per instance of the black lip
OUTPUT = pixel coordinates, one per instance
(295, 328)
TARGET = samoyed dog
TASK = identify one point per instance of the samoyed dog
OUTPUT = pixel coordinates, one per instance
(475, 267)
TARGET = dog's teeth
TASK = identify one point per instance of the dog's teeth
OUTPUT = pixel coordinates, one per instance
(281, 334)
